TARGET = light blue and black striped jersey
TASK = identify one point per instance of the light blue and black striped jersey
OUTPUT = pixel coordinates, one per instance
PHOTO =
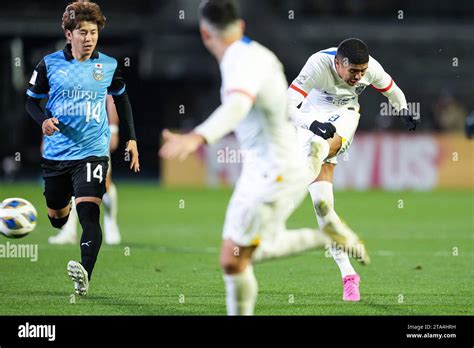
(77, 97)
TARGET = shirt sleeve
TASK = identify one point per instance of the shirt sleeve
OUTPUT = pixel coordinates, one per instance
(39, 84)
(225, 118)
(396, 97)
(381, 81)
(117, 86)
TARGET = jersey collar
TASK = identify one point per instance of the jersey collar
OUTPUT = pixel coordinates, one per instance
(68, 53)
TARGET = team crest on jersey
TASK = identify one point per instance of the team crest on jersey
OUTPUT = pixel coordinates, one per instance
(360, 88)
(98, 74)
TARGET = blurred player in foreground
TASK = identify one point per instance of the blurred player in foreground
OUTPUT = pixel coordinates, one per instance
(76, 133)
(68, 233)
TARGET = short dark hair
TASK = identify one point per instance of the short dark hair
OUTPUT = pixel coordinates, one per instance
(355, 50)
(82, 11)
(219, 13)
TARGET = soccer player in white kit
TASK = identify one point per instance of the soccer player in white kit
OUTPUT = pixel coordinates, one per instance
(323, 101)
(254, 106)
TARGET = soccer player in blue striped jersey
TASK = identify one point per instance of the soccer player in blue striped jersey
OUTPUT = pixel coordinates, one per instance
(76, 81)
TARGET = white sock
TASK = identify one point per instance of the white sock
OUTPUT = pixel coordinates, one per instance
(323, 202)
(342, 260)
(290, 242)
(241, 292)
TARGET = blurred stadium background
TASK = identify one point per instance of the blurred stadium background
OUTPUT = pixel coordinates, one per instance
(173, 81)
(427, 47)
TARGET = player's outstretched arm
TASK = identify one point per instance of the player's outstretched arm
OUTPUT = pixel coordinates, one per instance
(226, 117)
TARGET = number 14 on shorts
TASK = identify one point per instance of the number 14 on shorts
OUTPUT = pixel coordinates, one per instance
(96, 174)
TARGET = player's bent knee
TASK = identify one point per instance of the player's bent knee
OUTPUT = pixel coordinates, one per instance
(58, 222)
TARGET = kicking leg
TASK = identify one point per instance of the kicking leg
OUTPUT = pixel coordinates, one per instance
(328, 220)
(323, 202)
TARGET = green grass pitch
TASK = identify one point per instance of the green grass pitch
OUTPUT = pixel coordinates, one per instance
(422, 259)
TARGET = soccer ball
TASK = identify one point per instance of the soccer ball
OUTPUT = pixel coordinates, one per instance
(18, 217)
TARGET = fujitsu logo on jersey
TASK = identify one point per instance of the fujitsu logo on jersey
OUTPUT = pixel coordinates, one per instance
(77, 94)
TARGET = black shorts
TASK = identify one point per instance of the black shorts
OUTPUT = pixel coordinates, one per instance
(79, 178)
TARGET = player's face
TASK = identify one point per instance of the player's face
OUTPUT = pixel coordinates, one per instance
(84, 38)
(351, 73)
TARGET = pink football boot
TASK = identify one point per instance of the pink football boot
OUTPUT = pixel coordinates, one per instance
(351, 287)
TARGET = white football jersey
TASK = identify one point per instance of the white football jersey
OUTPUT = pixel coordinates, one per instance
(266, 133)
(324, 90)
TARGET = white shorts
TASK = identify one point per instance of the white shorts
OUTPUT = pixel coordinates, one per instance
(261, 204)
(345, 121)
